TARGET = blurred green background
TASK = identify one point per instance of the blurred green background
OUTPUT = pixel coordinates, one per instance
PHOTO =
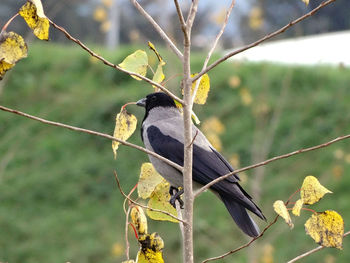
(58, 197)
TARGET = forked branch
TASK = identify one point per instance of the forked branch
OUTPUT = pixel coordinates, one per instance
(271, 35)
(108, 63)
(243, 246)
(158, 29)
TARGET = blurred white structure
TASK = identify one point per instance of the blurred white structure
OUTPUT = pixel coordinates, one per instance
(331, 48)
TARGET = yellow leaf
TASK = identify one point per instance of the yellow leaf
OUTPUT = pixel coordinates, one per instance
(214, 139)
(153, 48)
(312, 191)
(125, 125)
(326, 228)
(339, 154)
(107, 3)
(137, 62)
(297, 207)
(149, 179)
(219, 17)
(151, 249)
(256, 18)
(193, 115)
(337, 171)
(160, 200)
(158, 75)
(282, 211)
(100, 14)
(12, 49)
(347, 158)
(267, 255)
(261, 108)
(306, 2)
(234, 160)
(33, 14)
(234, 82)
(105, 26)
(203, 89)
(246, 97)
(117, 249)
(138, 218)
(213, 124)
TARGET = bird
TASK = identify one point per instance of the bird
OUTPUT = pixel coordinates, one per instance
(162, 131)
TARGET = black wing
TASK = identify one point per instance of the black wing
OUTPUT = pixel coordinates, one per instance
(207, 165)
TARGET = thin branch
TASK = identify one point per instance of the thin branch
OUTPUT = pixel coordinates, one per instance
(127, 245)
(254, 239)
(272, 160)
(210, 53)
(191, 16)
(180, 15)
(243, 246)
(271, 35)
(8, 22)
(188, 151)
(194, 137)
(58, 124)
(108, 63)
(157, 28)
(144, 206)
(312, 251)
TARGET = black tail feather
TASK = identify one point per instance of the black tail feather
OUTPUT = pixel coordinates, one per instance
(241, 217)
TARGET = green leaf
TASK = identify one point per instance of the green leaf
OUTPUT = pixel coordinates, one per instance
(158, 75)
(203, 89)
(149, 179)
(137, 62)
(160, 200)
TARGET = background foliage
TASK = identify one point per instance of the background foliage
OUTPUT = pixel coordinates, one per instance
(59, 201)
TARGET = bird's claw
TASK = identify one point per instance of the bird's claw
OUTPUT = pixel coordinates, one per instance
(176, 196)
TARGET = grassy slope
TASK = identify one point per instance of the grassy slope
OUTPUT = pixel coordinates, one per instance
(58, 197)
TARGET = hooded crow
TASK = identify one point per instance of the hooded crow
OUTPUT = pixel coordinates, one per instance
(163, 133)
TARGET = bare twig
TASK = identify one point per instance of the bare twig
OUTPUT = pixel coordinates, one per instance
(271, 35)
(254, 239)
(144, 206)
(180, 15)
(191, 16)
(158, 29)
(127, 212)
(8, 22)
(272, 160)
(210, 53)
(127, 245)
(243, 246)
(108, 63)
(312, 251)
(194, 137)
(58, 124)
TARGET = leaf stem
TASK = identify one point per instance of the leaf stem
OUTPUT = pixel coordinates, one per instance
(8, 23)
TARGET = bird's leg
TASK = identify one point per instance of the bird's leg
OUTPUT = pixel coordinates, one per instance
(176, 196)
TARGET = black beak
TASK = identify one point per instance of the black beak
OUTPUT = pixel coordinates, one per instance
(141, 102)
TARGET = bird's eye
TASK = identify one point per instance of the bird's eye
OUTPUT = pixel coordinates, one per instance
(154, 98)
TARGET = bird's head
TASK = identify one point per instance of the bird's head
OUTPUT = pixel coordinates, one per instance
(158, 99)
